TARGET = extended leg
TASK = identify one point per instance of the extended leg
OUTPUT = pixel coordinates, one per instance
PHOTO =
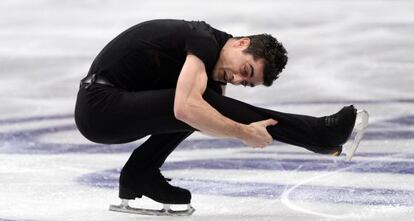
(318, 134)
(133, 115)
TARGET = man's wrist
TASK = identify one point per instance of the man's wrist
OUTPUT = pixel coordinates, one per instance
(241, 131)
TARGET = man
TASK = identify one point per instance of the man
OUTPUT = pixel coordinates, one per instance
(166, 78)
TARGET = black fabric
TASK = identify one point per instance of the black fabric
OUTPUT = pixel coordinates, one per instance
(150, 55)
(110, 115)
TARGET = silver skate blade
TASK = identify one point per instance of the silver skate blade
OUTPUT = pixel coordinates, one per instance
(360, 127)
(165, 211)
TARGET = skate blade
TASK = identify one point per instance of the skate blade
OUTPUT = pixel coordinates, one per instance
(360, 130)
(165, 211)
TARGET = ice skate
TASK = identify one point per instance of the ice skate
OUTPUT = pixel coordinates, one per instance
(359, 130)
(165, 211)
(339, 128)
(154, 186)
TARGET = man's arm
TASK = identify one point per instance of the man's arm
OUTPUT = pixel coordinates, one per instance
(191, 108)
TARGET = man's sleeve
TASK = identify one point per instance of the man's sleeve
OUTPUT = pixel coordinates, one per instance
(202, 44)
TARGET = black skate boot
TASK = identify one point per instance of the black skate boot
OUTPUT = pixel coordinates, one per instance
(323, 135)
(337, 128)
(153, 185)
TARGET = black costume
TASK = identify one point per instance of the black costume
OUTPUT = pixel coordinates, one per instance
(131, 95)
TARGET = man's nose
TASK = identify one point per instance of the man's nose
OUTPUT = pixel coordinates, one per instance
(237, 79)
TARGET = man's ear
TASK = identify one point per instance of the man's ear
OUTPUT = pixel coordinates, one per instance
(244, 42)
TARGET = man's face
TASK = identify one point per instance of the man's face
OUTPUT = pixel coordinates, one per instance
(237, 67)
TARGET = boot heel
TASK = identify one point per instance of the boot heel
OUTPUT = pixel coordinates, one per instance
(128, 194)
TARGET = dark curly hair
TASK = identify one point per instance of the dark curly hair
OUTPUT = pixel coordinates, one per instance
(275, 55)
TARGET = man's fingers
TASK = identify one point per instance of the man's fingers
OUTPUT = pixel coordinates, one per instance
(270, 141)
(269, 122)
(262, 145)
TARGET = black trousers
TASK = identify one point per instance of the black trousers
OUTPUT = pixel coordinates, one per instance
(111, 115)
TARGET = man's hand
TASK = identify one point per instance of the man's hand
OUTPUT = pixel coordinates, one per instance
(257, 135)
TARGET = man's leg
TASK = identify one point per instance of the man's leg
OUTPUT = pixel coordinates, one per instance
(145, 161)
(154, 151)
(132, 115)
(324, 135)
(318, 134)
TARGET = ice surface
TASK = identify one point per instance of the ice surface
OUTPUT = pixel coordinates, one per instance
(340, 52)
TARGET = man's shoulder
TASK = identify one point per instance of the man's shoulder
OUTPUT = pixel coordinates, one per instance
(201, 26)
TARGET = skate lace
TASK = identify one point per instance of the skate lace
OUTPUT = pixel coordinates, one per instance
(331, 121)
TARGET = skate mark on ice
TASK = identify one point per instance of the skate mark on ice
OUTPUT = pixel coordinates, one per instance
(381, 195)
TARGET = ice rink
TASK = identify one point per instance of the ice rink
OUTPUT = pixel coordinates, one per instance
(357, 52)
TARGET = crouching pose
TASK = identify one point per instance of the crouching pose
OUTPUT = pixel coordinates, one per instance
(167, 78)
